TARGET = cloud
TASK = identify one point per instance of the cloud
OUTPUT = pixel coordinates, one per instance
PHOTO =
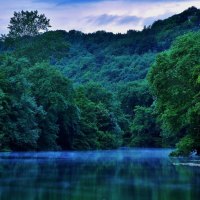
(129, 20)
(112, 19)
(102, 19)
(93, 15)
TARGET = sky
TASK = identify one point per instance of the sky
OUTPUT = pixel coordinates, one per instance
(116, 16)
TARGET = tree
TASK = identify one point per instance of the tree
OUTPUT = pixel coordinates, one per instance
(145, 130)
(133, 94)
(18, 109)
(39, 112)
(27, 23)
(55, 94)
(99, 128)
(174, 79)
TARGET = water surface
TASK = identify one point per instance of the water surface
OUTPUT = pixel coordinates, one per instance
(126, 174)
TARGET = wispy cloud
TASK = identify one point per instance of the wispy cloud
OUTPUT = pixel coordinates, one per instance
(93, 15)
(102, 19)
(105, 19)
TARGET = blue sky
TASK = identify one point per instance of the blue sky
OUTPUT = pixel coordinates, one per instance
(93, 15)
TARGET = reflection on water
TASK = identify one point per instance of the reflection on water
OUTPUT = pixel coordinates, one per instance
(133, 174)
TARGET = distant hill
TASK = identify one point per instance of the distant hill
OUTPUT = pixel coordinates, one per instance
(114, 58)
(110, 58)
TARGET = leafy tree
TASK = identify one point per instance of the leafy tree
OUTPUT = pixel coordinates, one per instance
(145, 129)
(3, 108)
(55, 94)
(27, 23)
(87, 137)
(175, 81)
(39, 112)
(97, 122)
(98, 94)
(133, 94)
(18, 109)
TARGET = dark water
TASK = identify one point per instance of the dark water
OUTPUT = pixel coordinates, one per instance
(133, 174)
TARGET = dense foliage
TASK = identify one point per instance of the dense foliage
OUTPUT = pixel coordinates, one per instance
(89, 91)
(35, 102)
(120, 58)
(41, 111)
(175, 79)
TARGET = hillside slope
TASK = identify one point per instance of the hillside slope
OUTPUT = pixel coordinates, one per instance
(114, 58)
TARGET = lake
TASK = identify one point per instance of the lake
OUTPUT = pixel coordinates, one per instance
(125, 174)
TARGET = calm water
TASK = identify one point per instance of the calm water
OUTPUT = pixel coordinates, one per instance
(133, 174)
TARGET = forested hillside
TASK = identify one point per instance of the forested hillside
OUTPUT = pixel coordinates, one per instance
(69, 90)
(121, 58)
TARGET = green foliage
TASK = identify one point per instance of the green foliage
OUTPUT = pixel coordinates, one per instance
(3, 107)
(19, 129)
(38, 113)
(36, 50)
(145, 130)
(133, 94)
(184, 147)
(106, 69)
(99, 128)
(108, 140)
(174, 80)
(55, 93)
(41, 111)
(27, 23)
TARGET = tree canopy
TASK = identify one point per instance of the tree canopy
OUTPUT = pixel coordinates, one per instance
(174, 79)
(27, 23)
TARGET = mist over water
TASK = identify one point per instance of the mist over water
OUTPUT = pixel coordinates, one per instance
(124, 174)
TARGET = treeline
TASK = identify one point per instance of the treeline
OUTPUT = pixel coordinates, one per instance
(40, 110)
(63, 91)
